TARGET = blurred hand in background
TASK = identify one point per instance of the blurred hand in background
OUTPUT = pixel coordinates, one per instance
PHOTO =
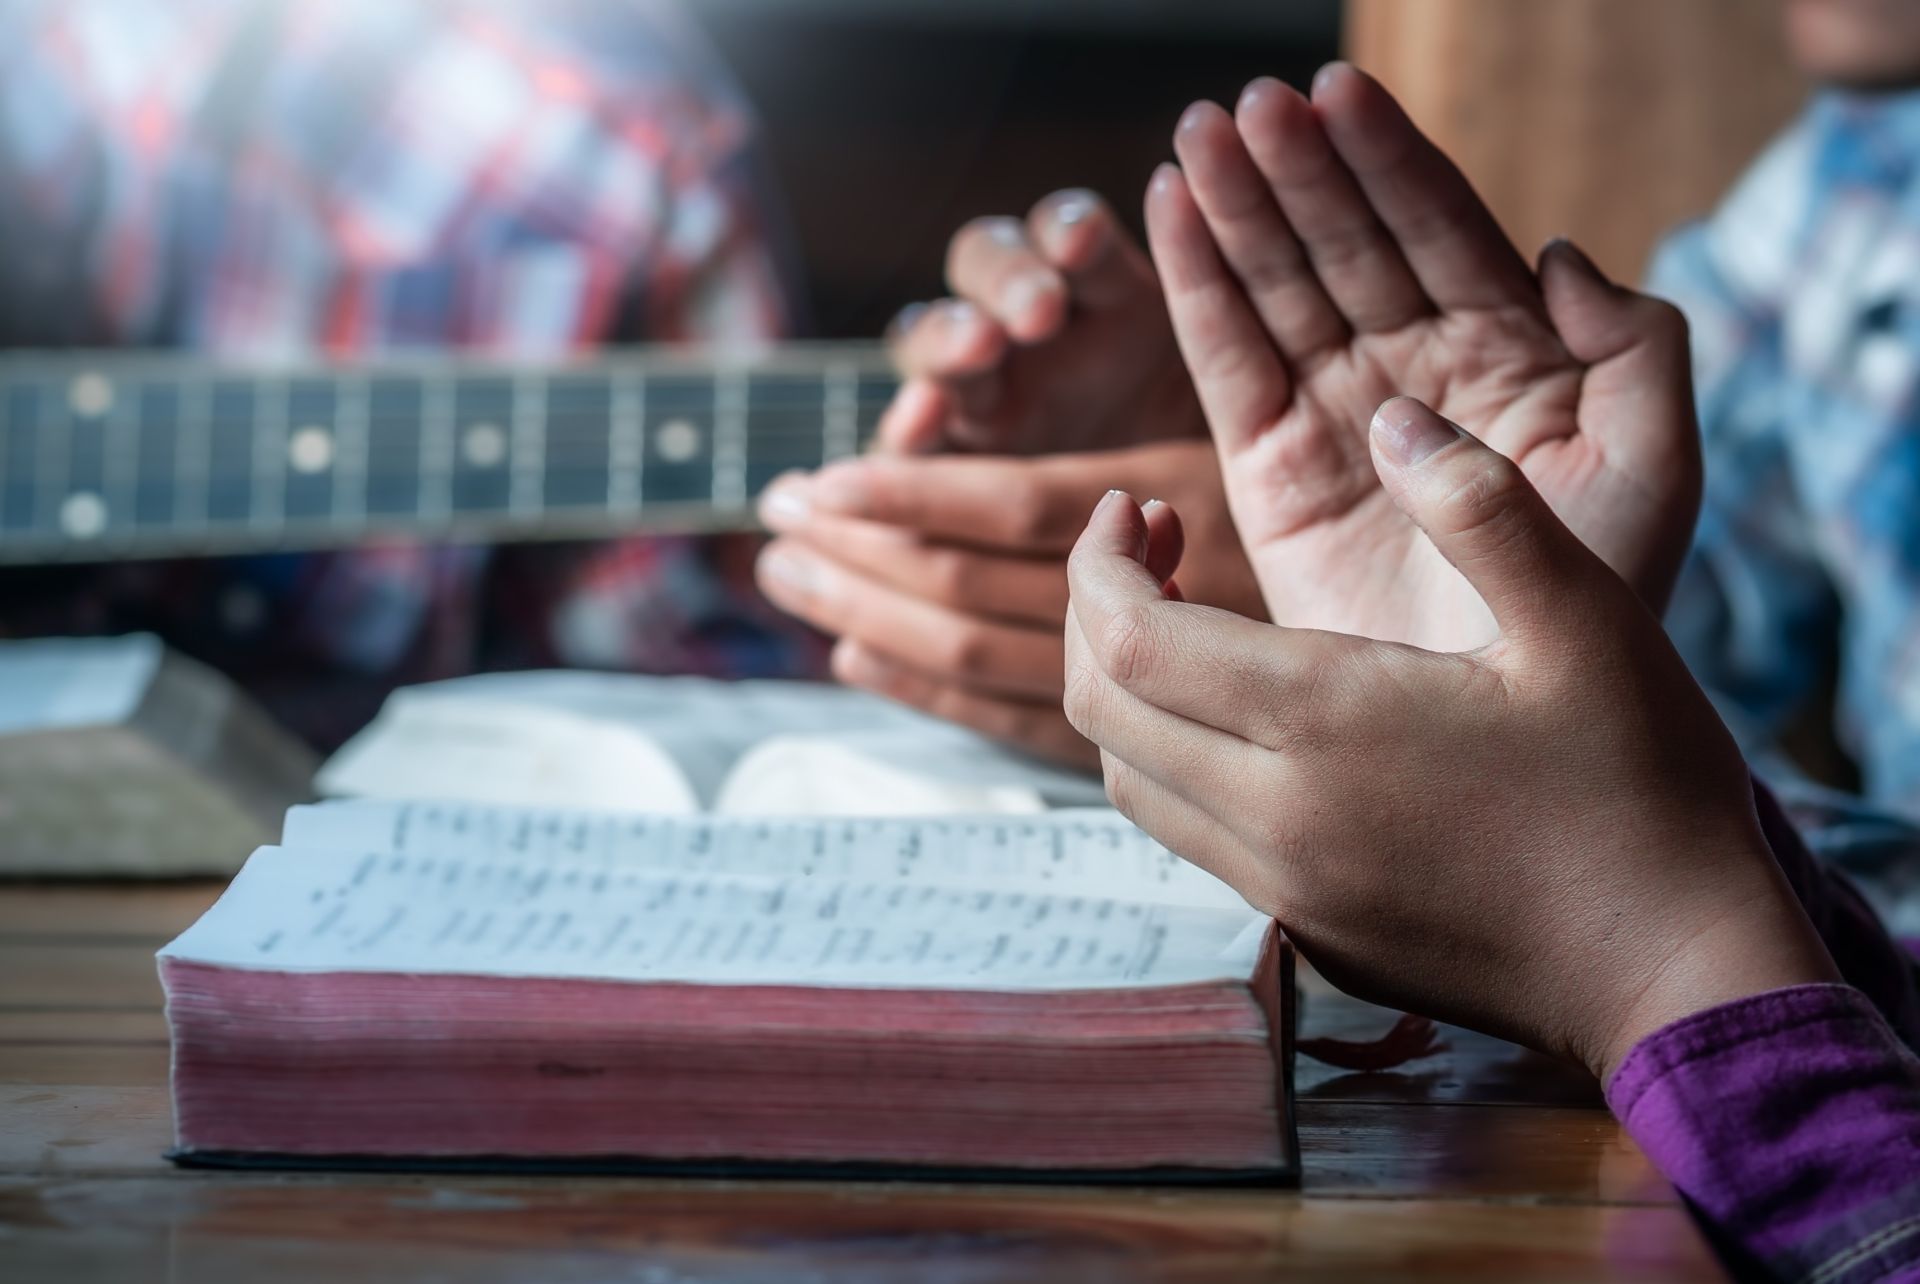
(945, 580)
(1055, 339)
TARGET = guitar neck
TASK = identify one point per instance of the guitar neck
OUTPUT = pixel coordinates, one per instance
(113, 455)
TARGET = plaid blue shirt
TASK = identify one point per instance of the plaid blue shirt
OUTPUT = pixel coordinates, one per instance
(1803, 290)
(514, 177)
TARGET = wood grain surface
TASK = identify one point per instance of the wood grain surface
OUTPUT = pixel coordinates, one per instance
(1608, 121)
(1485, 1162)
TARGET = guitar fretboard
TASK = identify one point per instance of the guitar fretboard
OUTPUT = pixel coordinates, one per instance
(107, 455)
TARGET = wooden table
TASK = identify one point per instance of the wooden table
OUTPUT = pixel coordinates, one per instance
(1482, 1163)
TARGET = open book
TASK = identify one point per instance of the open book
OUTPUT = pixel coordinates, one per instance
(679, 745)
(118, 756)
(452, 986)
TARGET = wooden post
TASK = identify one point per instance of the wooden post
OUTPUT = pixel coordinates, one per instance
(1604, 120)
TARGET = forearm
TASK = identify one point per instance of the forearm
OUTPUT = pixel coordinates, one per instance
(1790, 1121)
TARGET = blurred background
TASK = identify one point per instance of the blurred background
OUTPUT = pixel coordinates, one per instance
(246, 178)
(890, 122)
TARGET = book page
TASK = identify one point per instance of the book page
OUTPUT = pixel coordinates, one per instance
(924, 767)
(703, 724)
(1066, 851)
(502, 751)
(546, 916)
(619, 742)
(636, 743)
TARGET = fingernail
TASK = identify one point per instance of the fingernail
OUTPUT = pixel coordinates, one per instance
(1072, 208)
(841, 487)
(1409, 432)
(1256, 89)
(906, 318)
(1566, 249)
(1008, 231)
(784, 505)
(959, 314)
(794, 571)
(845, 661)
(1066, 248)
(1323, 79)
(1024, 292)
(1192, 118)
(1163, 176)
(1152, 504)
(852, 663)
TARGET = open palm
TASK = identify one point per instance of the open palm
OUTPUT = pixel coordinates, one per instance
(1320, 257)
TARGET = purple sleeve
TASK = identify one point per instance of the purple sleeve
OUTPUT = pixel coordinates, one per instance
(1790, 1121)
(1868, 957)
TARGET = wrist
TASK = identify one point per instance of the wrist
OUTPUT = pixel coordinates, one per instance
(1762, 944)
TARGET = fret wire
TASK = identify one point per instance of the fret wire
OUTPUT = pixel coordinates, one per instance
(193, 454)
(627, 443)
(120, 439)
(729, 439)
(9, 426)
(524, 493)
(270, 441)
(50, 485)
(436, 450)
(841, 430)
(394, 462)
(350, 471)
(405, 458)
(771, 424)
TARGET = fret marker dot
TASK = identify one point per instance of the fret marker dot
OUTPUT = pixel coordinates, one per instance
(310, 449)
(83, 514)
(90, 395)
(678, 440)
(484, 445)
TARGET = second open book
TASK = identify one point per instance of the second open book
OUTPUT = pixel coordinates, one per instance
(454, 985)
(634, 743)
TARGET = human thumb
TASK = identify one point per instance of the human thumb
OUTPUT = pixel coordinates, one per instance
(1483, 515)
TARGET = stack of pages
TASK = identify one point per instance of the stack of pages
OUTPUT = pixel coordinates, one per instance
(457, 986)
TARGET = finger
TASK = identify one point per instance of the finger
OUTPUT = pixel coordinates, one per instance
(1636, 409)
(1357, 261)
(982, 654)
(1166, 772)
(1082, 238)
(1636, 345)
(948, 339)
(1242, 381)
(991, 262)
(1255, 681)
(1016, 505)
(1166, 541)
(1037, 727)
(1484, 517)
(948, 354)
(1253, 236)
(1188, 831)
(1202, 763)
(914, 422)
(1021, 590)
(1449, 237)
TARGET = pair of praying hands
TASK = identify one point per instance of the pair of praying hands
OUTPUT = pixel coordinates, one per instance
(1457, 758)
